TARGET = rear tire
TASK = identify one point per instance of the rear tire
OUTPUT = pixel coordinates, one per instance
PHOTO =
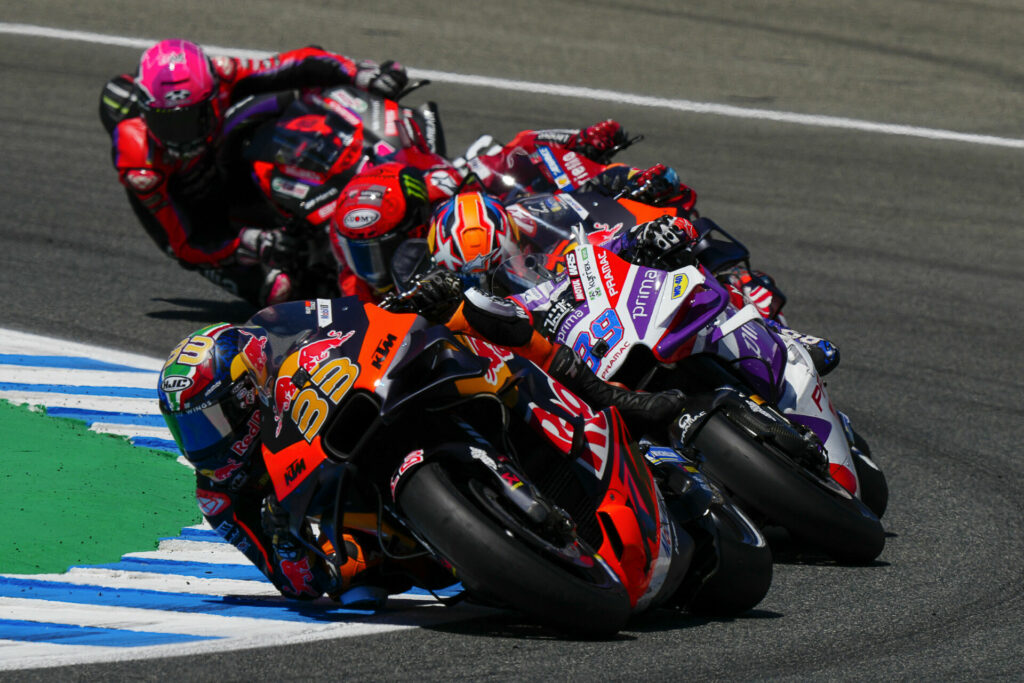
(814, 510)
(494, 564)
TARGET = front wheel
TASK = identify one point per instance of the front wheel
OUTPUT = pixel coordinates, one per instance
(874, 490)
(493, 561)
(812, 508)
(744, 572)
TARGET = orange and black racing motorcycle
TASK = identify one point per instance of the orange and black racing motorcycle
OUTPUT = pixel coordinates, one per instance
(455, 451)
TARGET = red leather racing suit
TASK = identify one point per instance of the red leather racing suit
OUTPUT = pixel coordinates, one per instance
(182, 202)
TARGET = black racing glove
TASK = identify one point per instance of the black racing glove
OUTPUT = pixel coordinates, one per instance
(663, 242)
(271, 248)
(274, 519)
(434, 295)
(387, 80)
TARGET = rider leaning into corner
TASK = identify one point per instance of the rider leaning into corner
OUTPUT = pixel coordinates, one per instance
(377, 212)
(210, 404)
(472, 229)
(164, 121)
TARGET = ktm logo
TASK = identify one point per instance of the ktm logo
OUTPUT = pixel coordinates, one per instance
(382, 351)
(294, 470)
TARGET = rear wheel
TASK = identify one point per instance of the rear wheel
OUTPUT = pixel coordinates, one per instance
(497, 561)
(812, 508)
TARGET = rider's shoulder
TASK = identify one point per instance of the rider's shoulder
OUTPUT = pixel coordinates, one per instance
(131, 143)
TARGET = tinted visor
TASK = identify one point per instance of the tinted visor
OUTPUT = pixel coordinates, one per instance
(371, 259)
(180, 127)
(206, 431)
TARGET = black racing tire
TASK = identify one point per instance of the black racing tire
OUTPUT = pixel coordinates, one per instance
(494, 564)
(812, 509)
(874, 489)
(744, 572)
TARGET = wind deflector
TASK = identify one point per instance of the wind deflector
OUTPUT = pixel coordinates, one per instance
(717, 253)
(429, 366)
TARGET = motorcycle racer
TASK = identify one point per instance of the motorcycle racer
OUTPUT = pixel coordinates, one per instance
(164, 121)
(209, 400)
(210, 406)
(380, 208)
(528, 164)
(664, 242)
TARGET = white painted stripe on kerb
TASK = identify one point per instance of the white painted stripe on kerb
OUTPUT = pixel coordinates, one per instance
(24, 343)
(76, 378)
(110, 404)
(561, 90)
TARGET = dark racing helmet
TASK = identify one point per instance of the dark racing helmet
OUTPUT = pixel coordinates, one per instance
(471, 234)
(177, 86)
(210, 401)
(379, 209)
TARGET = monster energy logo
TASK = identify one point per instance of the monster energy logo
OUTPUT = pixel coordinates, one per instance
(414, 187)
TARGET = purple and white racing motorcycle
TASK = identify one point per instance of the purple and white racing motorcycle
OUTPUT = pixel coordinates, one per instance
(758, 416)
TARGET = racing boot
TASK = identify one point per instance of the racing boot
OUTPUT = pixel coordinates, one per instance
(824, 354)
(641, 410)
(358, 588)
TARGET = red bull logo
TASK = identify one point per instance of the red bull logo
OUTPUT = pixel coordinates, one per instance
(307, 358)
(222, 473)
(300, 576)
(241, 447)
(255, 352)
(211, 503)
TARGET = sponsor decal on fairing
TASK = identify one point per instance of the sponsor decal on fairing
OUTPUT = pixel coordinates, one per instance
(561, 179)
(410, 460)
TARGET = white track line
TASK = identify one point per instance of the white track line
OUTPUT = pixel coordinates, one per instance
(560, 90)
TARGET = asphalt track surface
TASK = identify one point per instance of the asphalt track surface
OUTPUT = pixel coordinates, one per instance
(906, 250)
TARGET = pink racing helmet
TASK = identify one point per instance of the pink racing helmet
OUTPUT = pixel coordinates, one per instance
(177, 86)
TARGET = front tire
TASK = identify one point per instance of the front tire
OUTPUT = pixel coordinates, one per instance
(493, 563)
(874, 489)
(813, 509)
(744, 572)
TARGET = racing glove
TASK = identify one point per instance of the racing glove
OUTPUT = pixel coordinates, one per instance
(642, 411)
(271, 248)
(656, 185)
(434, 295)
(598, 142)
(661, 243)
(387, 80)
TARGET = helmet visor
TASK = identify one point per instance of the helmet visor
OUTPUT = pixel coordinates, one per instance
(198, 431)
(370, 259)
(180, 127)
